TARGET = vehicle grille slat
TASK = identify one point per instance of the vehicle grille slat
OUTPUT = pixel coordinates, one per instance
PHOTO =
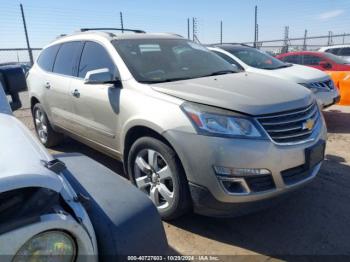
(291, 120)
(293, 126)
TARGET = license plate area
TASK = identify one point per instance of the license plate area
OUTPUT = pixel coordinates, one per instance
(314, 154)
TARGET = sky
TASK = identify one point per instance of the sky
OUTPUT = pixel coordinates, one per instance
(48, 19)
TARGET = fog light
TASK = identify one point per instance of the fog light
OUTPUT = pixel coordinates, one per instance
(240, 172)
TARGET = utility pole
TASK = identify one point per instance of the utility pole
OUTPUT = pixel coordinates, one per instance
(188, 29)
(121, 22)
(27, 38)
(344, 38)
(255, 25)
(194, 29)
(220, 32)
(257, 37)
(286, 39)
(330, 37)
(304, 43)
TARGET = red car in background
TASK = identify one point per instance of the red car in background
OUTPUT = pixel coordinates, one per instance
(319, 60)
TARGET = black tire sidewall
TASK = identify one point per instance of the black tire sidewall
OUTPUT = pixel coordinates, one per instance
(53, 138)
(181, 201)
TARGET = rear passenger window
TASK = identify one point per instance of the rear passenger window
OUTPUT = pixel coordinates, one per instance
(94, 57)
(47, 57)
(67, 58)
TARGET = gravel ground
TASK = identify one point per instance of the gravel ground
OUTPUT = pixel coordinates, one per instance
(313, 221)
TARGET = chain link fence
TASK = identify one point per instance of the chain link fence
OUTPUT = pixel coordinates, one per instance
(312, 43)
(17, 55)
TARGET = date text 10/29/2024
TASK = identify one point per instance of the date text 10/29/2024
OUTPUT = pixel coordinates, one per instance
(173, 258)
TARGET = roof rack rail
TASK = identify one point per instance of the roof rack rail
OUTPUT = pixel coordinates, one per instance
(112, 29)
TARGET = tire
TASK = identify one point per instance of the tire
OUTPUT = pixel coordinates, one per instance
(160, 175)
(47, 136)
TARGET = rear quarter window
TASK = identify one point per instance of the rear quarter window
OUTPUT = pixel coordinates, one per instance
(47, 57)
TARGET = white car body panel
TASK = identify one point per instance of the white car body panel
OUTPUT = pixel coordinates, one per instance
(21, 166)
(297, 73)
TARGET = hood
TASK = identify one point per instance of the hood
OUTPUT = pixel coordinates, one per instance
(295, 73)
(20, 157)
(249, 93)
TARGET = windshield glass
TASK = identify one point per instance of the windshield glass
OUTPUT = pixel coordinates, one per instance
(336, 59)
(166, 60)
(256, 58)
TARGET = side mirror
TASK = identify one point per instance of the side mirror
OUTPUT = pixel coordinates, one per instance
(235, 67)
(325, 65)
(100, 76)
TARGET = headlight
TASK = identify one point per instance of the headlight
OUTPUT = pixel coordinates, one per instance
(315, 88)
(214, 121)
(48, 246)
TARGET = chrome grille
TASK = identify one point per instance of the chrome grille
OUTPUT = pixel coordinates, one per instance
(291, 126)
(328, 84)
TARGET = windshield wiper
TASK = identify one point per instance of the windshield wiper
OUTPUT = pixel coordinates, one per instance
(165, 80)
(277, 67)
(221, 72)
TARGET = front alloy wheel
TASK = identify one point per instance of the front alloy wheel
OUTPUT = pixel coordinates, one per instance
(154, 177)
(155, 169)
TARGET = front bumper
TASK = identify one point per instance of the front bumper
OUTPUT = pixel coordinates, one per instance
(199, 154)
(326, 99)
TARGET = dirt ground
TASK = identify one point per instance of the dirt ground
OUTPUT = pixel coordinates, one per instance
(313, 221)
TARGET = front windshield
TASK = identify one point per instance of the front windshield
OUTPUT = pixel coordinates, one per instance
(166, 60)
(336, 59)
(256, 58)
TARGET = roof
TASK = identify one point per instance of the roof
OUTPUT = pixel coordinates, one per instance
(332, 47)
(110, 35)
(301, 53)
(232, 46)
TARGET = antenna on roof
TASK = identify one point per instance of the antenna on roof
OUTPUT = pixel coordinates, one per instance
(113, 29)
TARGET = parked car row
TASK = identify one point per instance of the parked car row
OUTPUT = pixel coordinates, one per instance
(193, 131)
(336, 66)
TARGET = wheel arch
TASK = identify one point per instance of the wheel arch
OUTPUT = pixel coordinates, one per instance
(137, 132)
(33, 101)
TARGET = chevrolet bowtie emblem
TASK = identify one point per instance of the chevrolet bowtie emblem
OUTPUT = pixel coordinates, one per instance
(309, 124)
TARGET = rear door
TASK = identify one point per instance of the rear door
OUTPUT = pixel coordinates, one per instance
(96, 106)
(58, 97)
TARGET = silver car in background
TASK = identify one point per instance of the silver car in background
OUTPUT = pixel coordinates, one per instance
(191, 131)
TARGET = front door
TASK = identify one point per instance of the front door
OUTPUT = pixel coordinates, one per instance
(96, 106)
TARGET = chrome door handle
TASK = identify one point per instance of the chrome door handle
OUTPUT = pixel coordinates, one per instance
(76, 93)
(47, 85)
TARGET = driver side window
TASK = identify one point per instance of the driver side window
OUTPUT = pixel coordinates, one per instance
(94, 57)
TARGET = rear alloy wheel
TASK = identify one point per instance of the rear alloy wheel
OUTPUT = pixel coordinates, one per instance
(46, 134)
(156, 171)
